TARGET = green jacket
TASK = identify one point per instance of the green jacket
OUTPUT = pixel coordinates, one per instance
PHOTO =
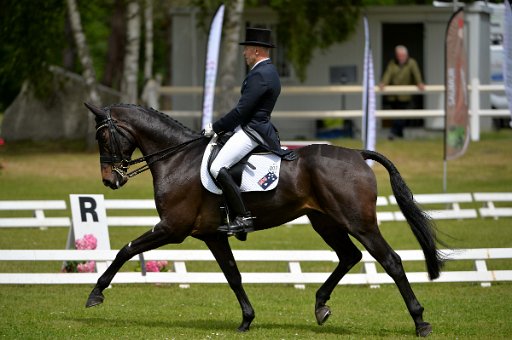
(407, 74)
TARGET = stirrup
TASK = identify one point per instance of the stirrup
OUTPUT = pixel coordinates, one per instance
(238, 225)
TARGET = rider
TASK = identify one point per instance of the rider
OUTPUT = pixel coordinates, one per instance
(250, 121)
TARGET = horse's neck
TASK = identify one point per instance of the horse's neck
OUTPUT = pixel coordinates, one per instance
(158, 134)
(166, 139)
(177, 173)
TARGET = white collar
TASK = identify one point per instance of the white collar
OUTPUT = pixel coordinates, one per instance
(262, 60)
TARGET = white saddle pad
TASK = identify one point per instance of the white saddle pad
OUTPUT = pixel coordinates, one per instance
(263, 178)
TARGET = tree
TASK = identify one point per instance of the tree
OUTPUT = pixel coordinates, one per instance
(86, 61)
(307, 25)
(116, 46)
(32, 38)
(303, 25)
(148, 40)
(232, 27)
(129, 82)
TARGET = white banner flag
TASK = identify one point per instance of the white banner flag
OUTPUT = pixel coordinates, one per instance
(507, 55)
(211, 65)
(369, 123)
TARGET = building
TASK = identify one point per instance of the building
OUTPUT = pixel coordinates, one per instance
(421, 28)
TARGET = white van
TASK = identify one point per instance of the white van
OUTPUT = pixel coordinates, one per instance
(498, 100)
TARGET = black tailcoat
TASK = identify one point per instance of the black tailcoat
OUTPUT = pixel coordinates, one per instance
(259, 93)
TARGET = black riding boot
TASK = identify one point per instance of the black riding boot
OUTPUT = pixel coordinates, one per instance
(243, 219)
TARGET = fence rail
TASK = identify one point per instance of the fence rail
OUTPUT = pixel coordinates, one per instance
(387, 210)
(474, 88)
(492, 205)
(294, 275)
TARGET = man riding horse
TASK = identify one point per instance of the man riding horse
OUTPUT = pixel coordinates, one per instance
(332, 185)
(250, 122)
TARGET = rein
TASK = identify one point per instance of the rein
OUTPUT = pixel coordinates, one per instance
(166, 153)
(117, 157)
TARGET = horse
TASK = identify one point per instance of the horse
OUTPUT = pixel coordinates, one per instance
(332, 185)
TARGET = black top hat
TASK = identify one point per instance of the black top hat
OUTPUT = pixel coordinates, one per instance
(257, 37)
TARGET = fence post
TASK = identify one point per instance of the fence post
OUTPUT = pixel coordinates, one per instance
(475, 109)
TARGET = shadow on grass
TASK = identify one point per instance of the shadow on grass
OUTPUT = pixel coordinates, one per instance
(231, 326)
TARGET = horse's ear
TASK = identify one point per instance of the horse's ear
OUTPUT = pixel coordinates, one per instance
(96, 110)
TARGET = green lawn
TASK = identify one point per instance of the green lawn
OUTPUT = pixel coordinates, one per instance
(465, 311)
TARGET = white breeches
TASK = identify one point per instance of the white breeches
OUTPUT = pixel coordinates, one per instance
(236, 148)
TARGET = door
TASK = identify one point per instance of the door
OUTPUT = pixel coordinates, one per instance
(411, 36)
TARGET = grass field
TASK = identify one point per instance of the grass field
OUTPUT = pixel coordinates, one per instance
(464, 311)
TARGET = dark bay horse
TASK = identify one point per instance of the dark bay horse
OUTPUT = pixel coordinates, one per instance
(333, 186)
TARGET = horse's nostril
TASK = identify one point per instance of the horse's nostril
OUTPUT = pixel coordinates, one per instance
(106, 182)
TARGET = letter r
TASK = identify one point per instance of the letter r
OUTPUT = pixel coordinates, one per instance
(88, 206)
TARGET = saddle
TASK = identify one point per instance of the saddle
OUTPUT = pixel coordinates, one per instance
(258, 171)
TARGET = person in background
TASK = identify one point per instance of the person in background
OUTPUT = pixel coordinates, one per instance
(402, 70)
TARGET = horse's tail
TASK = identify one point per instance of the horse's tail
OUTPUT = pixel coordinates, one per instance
(421, 224)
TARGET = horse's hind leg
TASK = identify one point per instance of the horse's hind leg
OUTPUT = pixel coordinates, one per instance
(221, 250)
(348, 254)
(152, 239)
(392, 264)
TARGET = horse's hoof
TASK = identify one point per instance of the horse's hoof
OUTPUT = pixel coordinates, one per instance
(246, 322)
(94, 299)
(322, 314)
(424, 329)
(244, 327)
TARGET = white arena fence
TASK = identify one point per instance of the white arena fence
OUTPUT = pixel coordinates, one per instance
(475, 91)
(294, 275)
(447, 206)
(444, 206)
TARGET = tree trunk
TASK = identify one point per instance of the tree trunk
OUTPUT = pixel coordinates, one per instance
(88, 69)
(69, 52)
(230, 57)
(148, 26)
(166, 101)
(131, 57)
(116, 46)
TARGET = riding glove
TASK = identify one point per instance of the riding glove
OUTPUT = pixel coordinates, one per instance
(208, 130)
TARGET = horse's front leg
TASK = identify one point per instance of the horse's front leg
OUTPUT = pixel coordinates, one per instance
(221, 250)
(152, 239)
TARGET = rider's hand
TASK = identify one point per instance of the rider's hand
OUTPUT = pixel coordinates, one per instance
(208, 131)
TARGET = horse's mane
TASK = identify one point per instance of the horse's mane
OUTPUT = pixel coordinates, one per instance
(166, 118)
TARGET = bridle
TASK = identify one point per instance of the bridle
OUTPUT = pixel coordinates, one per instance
(119, 164)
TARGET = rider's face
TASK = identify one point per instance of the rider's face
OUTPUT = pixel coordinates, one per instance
(251, 54)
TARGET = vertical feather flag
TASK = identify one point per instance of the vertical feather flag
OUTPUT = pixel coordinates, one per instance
(211, 65)
(507, 57)
(456, 96)
(369, 121)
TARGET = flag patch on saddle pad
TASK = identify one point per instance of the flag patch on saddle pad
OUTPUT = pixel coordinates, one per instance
(266, 180)
(262, 175)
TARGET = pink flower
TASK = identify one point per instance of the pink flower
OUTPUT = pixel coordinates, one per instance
(152, 266)
(88, 242)
(162, 265)
(156, 266)
(88, 267)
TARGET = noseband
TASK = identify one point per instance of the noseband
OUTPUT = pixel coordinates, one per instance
(116, 159)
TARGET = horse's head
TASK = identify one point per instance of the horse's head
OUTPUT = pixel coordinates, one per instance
(116, 146)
